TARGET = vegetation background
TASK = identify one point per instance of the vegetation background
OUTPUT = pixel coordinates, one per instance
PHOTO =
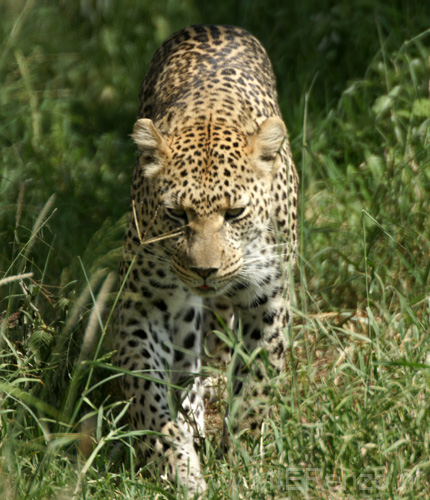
(353, 80)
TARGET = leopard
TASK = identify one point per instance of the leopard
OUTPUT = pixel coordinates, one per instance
(211, 238)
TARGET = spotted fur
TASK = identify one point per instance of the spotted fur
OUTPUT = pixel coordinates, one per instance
(212, 223)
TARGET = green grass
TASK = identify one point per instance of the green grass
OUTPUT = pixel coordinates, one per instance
(351, 415)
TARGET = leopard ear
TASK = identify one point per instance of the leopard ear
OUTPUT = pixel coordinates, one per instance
(266, 145)
(151, 145)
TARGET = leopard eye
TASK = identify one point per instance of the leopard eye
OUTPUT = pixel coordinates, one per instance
(233, 214)
(177, 214)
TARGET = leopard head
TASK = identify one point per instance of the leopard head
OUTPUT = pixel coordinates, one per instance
(210, 186)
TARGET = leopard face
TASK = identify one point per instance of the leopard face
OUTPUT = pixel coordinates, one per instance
(212, 187)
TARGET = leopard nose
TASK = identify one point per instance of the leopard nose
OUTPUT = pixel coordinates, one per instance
(204, 272)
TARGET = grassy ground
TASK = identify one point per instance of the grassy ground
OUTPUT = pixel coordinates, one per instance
(352, 418)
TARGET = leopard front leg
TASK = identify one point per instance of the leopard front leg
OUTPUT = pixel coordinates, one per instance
(160, 347)
(262, 314)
